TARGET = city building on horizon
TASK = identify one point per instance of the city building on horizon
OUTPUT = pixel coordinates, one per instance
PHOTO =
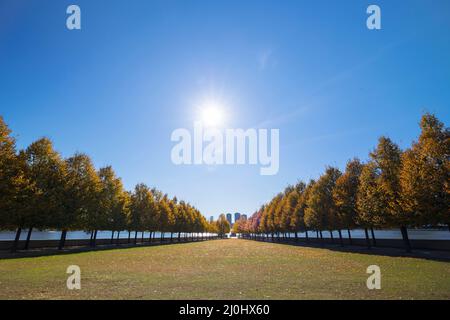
(230, 219)
(237, 216)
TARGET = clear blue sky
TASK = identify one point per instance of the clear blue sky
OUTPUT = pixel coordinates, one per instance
(117, 88)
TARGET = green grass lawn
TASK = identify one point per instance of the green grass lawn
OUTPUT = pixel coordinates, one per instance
(223, 269)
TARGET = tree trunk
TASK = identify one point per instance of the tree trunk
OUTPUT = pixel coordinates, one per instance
(112, 237)
(142, 237)
(162, 237)
(373, 237)
(135, 237)
(150, 237)
(16, 240)
(369, 246)
(62, 240)
(27, 243)
(95, 238)
(321, 237)
(306, 233)
(91, 238)
(179, 237)
(340, 238)
(332, 238)
(406, 239)
(171, 237)
(349, 236)
(296, 236)
(129, 236)
(118, 238)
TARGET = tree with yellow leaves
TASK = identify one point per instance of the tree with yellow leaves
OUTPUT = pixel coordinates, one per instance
(345, 195)
(321, 211)
(425, 175)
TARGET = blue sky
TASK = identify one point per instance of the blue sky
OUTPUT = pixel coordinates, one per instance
(138, 70)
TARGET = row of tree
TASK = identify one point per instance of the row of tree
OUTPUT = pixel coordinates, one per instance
(41, 190)
(222, 225)
(394, 188)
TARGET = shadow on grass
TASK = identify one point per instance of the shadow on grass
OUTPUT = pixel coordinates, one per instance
(435, 255)
(50, 251)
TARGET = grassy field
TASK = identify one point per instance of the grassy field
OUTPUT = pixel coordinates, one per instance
(223, 269)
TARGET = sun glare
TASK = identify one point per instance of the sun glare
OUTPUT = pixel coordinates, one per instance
(212, 114)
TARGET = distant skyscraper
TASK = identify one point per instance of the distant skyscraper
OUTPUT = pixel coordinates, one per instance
(211, 219)
(237, 216)
(229, 218)
(244, 216)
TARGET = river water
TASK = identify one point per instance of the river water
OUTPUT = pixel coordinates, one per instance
(55, 235)
(418, 234)
(423, 234)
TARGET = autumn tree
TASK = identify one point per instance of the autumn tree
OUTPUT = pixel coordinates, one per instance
(223, 227)
(378, 200)
(46, 171)
(320, 213)
(345, 194)
(183, 219)
(274, 214)
(425, 175)
(263, 227)
(141, 205)
(239, 226)
(16, 189)
(151, 215)
(176, 219)
(9, 172)
(288, 204)
(296, 209)
(82, 202)
(253, 223)
(302, 206)
(167, 218)
(113, 200)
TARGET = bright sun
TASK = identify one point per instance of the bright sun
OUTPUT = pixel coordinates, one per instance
(212, 114)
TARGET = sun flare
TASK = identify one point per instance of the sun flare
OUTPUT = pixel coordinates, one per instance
(212, 114)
